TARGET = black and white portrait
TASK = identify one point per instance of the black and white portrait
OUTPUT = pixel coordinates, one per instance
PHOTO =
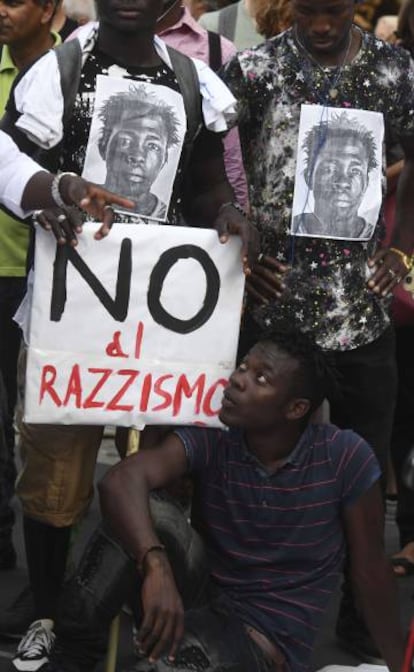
(135, 142)
(338, 190)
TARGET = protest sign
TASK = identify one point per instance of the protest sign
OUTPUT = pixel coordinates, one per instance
(139, 328)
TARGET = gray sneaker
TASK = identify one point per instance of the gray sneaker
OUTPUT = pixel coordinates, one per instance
(34, 649)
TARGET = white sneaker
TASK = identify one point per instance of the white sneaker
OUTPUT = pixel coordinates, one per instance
(35, 647)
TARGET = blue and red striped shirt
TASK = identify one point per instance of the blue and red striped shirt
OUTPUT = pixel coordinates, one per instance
(275, 540)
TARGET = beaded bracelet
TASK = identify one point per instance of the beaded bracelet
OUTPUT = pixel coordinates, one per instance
(55, 189)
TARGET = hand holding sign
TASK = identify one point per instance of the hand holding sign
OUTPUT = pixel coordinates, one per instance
(141, 328)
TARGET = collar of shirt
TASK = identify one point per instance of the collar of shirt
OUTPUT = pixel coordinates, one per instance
(295, 458)
(187, 21)
(6, 61)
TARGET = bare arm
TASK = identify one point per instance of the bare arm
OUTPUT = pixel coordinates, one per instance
(212, 190)
(388, 266)
(74, 190)
(372, 576)
(125, 489)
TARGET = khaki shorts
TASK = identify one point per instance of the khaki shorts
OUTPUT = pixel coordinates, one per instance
(55, 484)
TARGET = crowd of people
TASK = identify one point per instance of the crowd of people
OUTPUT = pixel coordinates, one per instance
(288, 133)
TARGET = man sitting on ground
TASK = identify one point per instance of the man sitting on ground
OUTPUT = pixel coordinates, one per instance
(276, 500)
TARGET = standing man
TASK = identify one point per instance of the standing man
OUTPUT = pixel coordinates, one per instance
(338, 290)
(178, 29)
(25, 34)
(120, 54)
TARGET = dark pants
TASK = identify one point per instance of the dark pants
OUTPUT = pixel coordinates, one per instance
(368, 388)
(403, 431)
(11, 293)
(215, 638)
(6, 484)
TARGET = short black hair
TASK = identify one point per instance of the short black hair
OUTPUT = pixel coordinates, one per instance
(316, 378)
(137, 101)
(342, 128)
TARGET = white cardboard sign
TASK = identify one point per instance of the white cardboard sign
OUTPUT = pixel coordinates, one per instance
(139, 328)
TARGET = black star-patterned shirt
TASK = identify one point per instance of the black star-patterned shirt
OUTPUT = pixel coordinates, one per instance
(327, 292)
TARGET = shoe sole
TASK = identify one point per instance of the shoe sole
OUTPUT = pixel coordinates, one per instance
(29, 665)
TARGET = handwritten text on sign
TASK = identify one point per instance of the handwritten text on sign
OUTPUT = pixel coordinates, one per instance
(140, 328)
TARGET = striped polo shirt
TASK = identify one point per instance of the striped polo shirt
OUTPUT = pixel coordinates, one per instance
(276, 541)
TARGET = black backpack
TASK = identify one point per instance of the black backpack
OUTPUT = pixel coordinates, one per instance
(69, 56)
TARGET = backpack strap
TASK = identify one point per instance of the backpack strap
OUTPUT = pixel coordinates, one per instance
(227, 21)
(187, 78)
(214, 50)
(69, 58)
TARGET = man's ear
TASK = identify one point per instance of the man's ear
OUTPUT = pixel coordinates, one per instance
(297, 409)
(48, 12)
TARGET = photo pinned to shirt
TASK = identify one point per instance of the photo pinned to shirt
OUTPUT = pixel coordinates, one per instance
(338, 182)
(135, 142)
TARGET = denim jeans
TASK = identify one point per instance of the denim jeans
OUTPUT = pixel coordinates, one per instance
(215, 638)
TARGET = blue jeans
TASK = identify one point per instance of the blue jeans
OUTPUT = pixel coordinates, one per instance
(215, 638)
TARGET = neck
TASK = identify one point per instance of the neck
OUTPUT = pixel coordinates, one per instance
(272, 447)
(129, 49)
(250, 7)
(59, 19)
(24, 54)
(170, 17)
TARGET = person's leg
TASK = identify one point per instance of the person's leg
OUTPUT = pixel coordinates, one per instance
(106, 578)
(7, 552)
(401, 443)
(55, 487)
(368, 387)
(11, 293)
(215, 640)
(368, 384)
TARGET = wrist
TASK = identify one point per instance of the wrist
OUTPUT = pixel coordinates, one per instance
(151, 557)
(60, 189)
(231, 204)
(407, 259)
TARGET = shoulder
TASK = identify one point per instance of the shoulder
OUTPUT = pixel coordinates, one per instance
(210, 20)
(205, 445)
(339, 442)
(387, 57)
(261, 58)
(228, 49)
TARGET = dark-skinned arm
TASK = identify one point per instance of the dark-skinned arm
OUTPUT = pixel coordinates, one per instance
(124, 496)
(372, 577)
(388, 266)
(212, 195)
(75, 191)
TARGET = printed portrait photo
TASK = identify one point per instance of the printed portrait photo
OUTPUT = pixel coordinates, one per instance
(135, 142)
(338, 190)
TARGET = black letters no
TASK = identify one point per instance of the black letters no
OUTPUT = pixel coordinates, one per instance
(157, 279)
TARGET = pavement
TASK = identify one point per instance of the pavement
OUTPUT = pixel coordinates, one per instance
(327, 651)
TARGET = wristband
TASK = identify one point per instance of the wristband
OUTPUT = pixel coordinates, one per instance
(406, 259)
(55, 189)
(156, 547)
(234, 205)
